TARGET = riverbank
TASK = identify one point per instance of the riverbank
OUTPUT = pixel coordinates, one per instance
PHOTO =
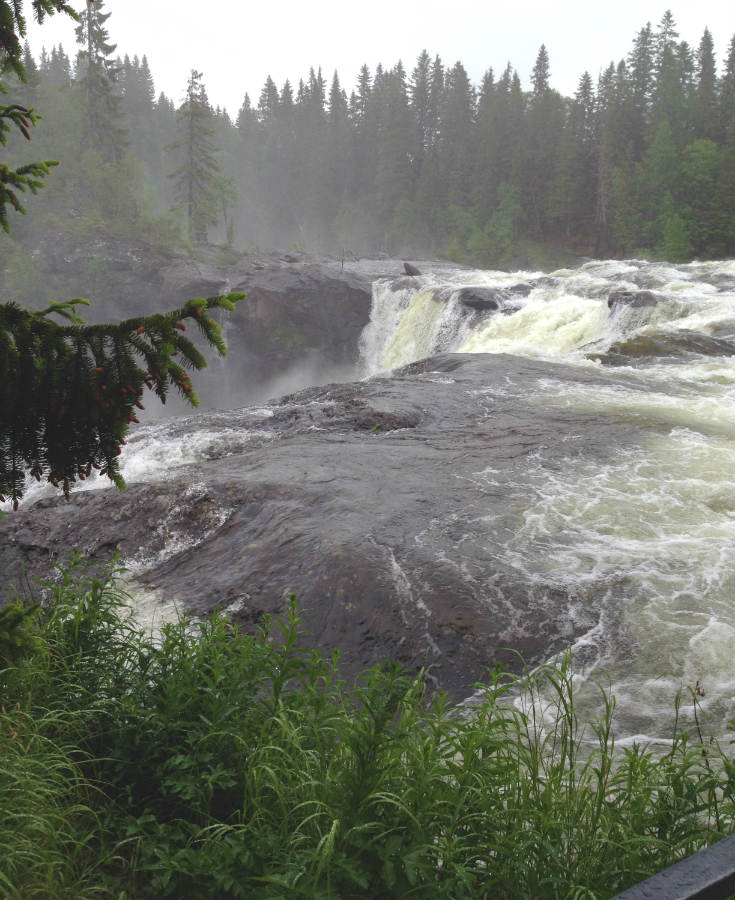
(212, 763)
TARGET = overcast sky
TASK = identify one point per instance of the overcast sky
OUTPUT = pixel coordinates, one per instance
(237, 44)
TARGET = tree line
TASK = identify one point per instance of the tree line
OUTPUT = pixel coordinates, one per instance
(637, 163)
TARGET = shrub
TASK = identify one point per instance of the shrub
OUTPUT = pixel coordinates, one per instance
(208, 762)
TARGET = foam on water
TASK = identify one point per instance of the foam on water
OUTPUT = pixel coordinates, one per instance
(644, 538)
(162, 451)
(563, 316)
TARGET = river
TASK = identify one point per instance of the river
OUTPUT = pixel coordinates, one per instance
(576, 486)
(647, 535)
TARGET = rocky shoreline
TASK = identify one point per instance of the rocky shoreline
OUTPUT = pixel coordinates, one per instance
(364, 499)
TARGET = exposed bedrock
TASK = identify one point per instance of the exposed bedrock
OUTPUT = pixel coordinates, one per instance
(387, 506)
(298, 309)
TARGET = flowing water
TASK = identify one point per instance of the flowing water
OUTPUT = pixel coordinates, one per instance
(647, 536)
(638, 529)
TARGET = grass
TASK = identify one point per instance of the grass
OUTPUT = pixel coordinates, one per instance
(210, 763)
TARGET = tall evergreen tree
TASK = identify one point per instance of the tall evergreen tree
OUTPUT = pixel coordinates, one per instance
(268, 101)
(97, 75)
(727, 96)
(668, 96)
(544, 122)
(706, 123)
(194, 178)
(418, 89)
(394, 177)
(540, 74)
(573, 188)
(456, 138)
(138, 105)
(485, 176)
(640, 66)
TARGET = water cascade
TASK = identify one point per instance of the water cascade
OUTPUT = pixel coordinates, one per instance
(609, 508)
(647, 535)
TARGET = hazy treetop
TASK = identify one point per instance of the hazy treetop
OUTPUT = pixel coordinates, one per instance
(237, 45)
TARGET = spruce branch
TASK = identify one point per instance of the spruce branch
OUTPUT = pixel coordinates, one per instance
(68, 392)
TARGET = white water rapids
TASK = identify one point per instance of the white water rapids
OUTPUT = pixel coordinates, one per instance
(651, 531)
(646, 531)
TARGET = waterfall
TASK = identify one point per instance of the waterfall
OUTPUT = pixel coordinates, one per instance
(648, 534)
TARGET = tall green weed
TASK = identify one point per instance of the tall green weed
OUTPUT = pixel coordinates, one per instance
(208, 762)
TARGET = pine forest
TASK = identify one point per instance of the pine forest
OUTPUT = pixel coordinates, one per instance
(420, 162)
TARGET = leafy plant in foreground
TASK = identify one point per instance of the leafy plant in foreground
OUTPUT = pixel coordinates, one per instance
(208, 762)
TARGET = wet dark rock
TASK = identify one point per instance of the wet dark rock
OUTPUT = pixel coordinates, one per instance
(678, 345)
(366, 500)
(403, 283)
(482, 298)
(299, 309)
(410, 270)
(632, 299)
(522, 289)
(544, 281)
(294, 311)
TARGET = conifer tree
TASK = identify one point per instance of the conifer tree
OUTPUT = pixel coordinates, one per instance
(268, 102)
(31, 176)
(573, 186)
(393, 179)
(706, 112)
(139, 108)
(457, 135)
(58, 66)
(640, 66)
(668, 96)
(485, 178)
(194, 179)
(544, 121)
(727, 97)
(540, 73)
(418, 90)
(97, 75)
(337, 154)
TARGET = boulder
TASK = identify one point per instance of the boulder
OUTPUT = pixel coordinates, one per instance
(482, 298)
(367, 500)
(298, 309)
(680, 344)
(632, 299)
(410, 269)
(522, 289)
(403, 283)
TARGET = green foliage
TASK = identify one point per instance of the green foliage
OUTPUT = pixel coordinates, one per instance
(379, 171)
(208, 762)
(200, 191)
(17, 634)
(495, 245)
(675, 244)
(13, 27)
(69, 392)
(30, 176)
(96, 77)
